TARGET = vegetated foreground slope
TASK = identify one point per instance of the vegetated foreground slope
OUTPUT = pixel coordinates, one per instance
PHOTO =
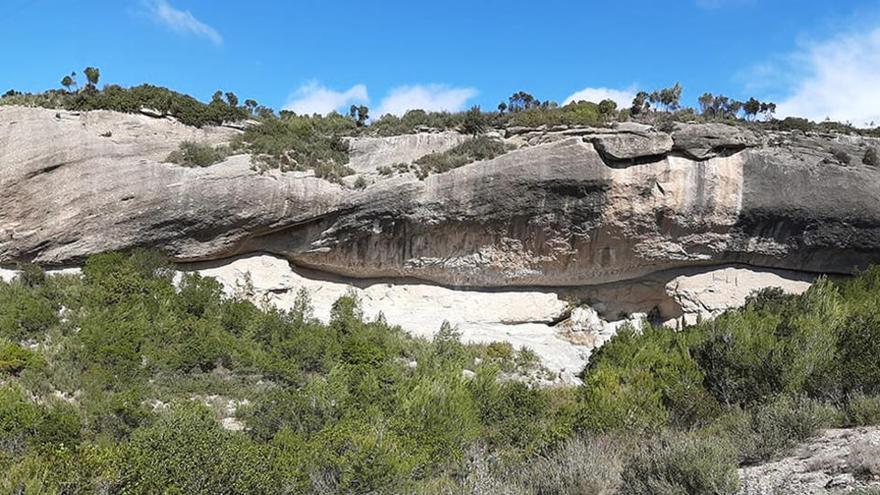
(122, 381)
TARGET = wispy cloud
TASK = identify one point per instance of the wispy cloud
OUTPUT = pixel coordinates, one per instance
(835, 78)
(430, 97)
(314, 98)
(182, 21)
(623, 97)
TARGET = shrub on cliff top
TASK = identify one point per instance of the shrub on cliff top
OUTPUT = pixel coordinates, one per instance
(299, 143)
(472, 150)
(192, 154)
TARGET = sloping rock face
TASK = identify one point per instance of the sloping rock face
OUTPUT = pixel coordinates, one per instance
(836, 462)
(553, 213)
(368, 154)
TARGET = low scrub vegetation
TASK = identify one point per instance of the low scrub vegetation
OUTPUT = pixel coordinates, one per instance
(184, 108)
(192, 154)
(300, 143)
(125, 381)
(472, 150)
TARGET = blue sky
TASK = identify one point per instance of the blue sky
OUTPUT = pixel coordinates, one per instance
(814, 58)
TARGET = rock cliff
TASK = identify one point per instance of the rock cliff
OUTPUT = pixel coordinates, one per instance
(570, 207)
(612, 216)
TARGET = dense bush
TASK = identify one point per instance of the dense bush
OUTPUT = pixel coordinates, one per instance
(415, 121)
(300, 143)
(184, 108)
(192, 154)
(864, 410)
(675, 464)
(871, 157)
(575, 113)
(197, 456)
(644, 379)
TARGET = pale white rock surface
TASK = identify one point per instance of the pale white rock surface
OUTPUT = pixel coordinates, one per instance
(585, 327)
(369, 153)
(836, 462)
(707, 295)
(524, 318)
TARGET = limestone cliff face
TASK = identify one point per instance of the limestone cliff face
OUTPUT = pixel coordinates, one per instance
(570, 207)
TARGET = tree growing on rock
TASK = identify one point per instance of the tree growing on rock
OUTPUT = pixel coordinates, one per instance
(751, 108)
(93, 74)
(360, 114)
(522, 101)
(607, 107)
(69, 81)
(640, 103)
(474, 123)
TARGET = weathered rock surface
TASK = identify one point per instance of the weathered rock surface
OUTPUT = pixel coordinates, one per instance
(369, 153)
(553, 214)
(838, 461)
(702, 141)
(630, 146)
(708, 294)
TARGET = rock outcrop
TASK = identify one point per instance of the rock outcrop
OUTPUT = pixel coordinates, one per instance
(572, 207)
(635, 222)
(838, 461)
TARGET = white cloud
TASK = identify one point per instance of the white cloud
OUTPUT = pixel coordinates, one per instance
(839, 78)
(182, 21)
(623, 97)
(313, 98)
(430, 97)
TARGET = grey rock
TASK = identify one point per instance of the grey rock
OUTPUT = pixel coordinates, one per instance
(554, 214)
(630, 146)
(370, 153)
(702, 141)
(152, 112)
(831, 463)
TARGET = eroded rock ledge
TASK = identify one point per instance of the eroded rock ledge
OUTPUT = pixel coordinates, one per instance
(551, 213)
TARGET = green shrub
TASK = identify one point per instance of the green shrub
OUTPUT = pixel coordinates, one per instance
(437, 418)
(581, 465)
(774, 345)
(15, 358)
(784, 422)
(675, 464)
(184, 108)
(415, 120)
(859, 346)
(644, 380)
(357, 457)
(24, 423)
(192, 154)
(26, 313)
(864, 410)
(297, 143)
(472, 150)
(511, 411)
(196, 455)
(575, 113)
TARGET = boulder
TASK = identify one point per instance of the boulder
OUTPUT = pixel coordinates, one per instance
(631, 146)
(703, 141)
